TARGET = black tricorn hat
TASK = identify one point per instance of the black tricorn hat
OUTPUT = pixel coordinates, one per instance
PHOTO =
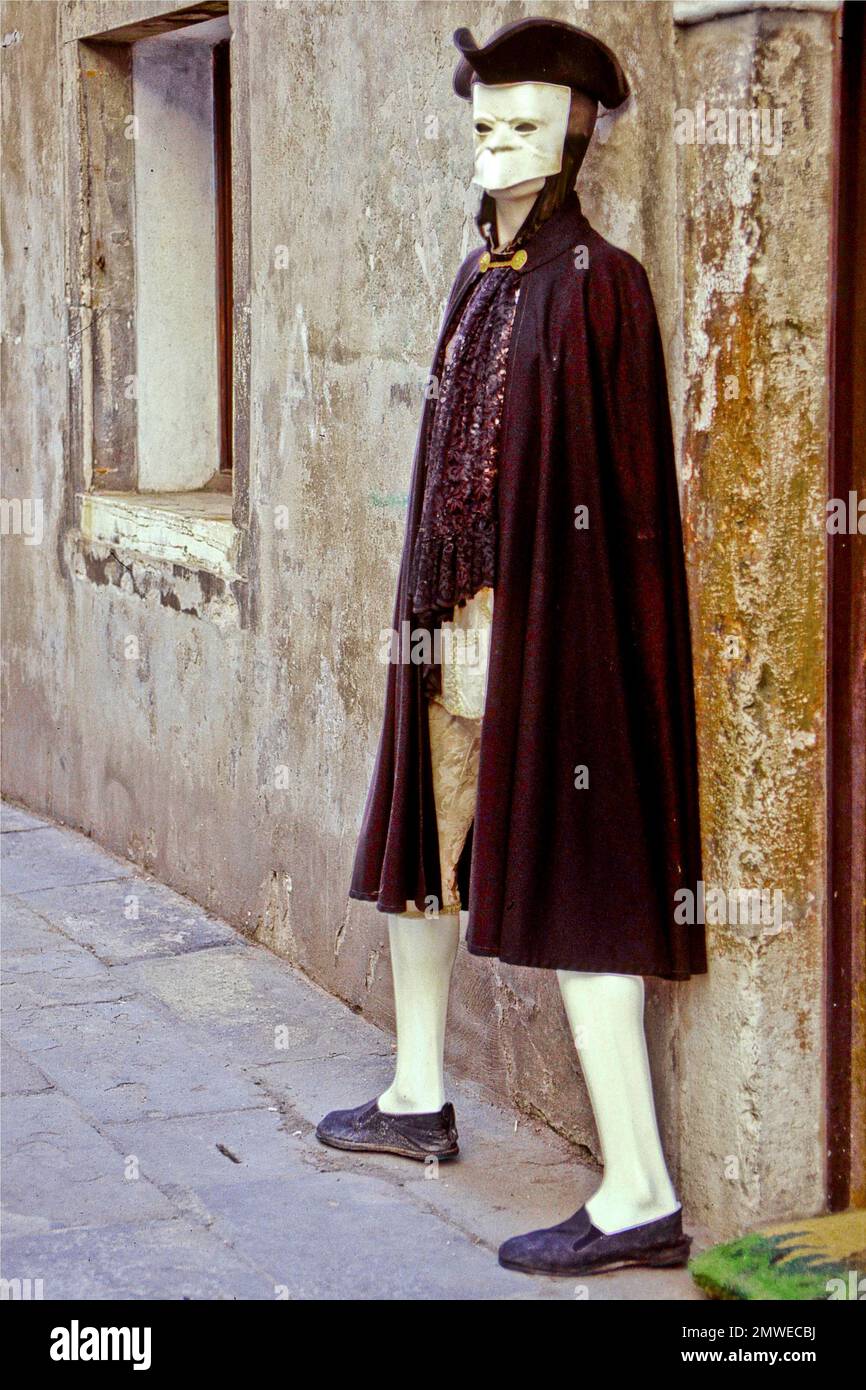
(541, 50)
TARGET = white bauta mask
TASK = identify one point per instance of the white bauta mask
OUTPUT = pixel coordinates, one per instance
(520, 130)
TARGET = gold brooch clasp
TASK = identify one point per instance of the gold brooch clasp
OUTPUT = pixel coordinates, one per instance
(515, 262)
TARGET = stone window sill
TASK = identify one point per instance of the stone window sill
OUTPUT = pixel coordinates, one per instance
(193, 529)
(699, 11)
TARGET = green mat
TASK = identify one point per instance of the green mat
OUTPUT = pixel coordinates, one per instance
(818, 1258)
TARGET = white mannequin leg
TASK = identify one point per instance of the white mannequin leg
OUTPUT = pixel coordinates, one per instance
(422, 957)
(605, 1013)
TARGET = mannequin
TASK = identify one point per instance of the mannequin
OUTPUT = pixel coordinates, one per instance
(530, 137)
(605, 1012)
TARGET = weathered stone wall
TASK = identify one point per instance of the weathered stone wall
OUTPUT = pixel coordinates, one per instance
(756, 257)
(173, 759)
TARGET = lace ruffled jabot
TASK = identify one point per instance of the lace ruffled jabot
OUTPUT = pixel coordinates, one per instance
(456, 545)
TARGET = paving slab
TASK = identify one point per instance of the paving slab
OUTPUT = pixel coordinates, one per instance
(342, 1235)
(129, 919)
(123, 1060)
(176, 1259)
(16, 818)
(52, 858)
(18, 1076)
(258, 1010)
(58, 1171)
(69, 975)
(22, 929)
(222, 1147)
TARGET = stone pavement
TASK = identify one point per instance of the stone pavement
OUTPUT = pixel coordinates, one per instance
(162, 1078)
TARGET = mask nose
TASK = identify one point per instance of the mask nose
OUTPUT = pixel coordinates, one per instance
(501, 139)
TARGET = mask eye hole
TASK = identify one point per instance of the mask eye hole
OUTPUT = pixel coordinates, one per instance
(525, 127)
(483, 128)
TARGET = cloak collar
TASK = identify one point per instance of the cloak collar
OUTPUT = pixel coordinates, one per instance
(562, 230)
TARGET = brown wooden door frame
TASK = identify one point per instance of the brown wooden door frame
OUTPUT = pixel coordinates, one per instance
(846, 644)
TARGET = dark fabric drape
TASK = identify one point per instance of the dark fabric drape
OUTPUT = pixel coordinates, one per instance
(590, 661)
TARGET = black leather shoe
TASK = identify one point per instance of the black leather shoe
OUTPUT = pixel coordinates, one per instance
(577, 1247)
(369, 1130)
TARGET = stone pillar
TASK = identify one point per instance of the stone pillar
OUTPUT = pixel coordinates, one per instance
(755, 244)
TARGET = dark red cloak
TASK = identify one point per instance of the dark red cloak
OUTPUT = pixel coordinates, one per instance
(590, 658)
